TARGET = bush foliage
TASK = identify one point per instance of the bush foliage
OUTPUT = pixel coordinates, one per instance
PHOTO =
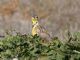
(28, 47)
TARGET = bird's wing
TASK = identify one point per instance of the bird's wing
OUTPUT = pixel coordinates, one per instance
(44, 33)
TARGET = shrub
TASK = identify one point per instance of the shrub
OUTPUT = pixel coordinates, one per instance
(28, 47)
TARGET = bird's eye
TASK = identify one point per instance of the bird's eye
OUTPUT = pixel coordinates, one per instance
(36, 16)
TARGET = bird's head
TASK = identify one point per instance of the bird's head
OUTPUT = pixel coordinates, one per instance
(34, 20)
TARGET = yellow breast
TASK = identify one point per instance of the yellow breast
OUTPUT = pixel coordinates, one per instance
(34, 31)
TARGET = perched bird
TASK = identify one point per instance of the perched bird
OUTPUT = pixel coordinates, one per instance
(39, 30)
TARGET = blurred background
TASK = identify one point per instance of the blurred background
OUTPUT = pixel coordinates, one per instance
(57, 16)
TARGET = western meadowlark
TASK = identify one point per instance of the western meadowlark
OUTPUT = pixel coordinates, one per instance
(39, 30)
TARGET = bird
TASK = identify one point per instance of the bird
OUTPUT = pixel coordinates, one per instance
(39, 30)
